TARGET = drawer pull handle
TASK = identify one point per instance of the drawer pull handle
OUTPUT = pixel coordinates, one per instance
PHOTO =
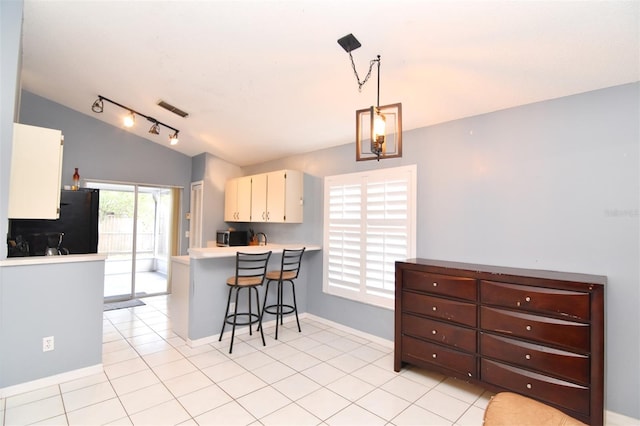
(529, 386)
(527, 299)
(434, 355)
(469, 374)
(435, 284)
(528, 328)
(527, 356)
(434, 332)
(434, 308)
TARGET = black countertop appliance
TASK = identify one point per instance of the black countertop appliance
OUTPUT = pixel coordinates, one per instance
(78, 222)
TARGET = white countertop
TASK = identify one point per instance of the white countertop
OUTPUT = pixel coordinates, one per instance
(47, 260)
(214, 252)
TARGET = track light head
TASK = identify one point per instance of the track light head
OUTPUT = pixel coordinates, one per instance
(173, 139)
(98, 106)
(129, 119)
(155, 129)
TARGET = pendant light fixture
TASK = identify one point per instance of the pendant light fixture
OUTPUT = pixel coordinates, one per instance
(378, 128)
(130, 118)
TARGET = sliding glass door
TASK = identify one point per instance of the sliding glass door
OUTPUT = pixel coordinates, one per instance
(137, 229)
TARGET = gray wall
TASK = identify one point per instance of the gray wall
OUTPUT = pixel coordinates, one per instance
(11, 27)
(552, 185)
(63, 300)
(213, 172)
(105, 152)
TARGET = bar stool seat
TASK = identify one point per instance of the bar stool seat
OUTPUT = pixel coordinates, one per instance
(250, 274)
(289, 270)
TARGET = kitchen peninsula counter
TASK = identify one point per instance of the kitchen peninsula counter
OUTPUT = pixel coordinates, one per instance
(43, 260)
(199, 293)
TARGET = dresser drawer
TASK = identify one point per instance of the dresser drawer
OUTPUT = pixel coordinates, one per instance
(436, 307)
(439, 332)
(569, 304)
(462, 288)
(563, 364)
(419, 352)
(565, 394)
(532, 327)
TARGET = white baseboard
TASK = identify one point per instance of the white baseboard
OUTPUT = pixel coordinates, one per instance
(376, 339)
(616, 419)
(50, 380)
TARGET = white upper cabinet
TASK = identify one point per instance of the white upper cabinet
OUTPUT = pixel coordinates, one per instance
(237, 200)
(259, 198)
(275, 197)
(36, 173)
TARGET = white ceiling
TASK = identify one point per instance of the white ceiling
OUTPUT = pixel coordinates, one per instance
(266, 79)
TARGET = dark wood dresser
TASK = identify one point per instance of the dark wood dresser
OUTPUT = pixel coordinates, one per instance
(537, 333)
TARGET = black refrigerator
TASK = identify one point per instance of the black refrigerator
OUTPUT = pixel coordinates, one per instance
(78, 222)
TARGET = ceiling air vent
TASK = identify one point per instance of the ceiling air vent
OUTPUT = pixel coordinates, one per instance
(173, 109)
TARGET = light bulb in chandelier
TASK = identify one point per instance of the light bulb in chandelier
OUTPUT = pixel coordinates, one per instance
(129, 120)
(378, 131)
(173, 139)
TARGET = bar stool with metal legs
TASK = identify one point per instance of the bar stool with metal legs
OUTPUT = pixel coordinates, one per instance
(289, 270)
(250, 273)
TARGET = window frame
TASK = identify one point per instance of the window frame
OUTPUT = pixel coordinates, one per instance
(362, 291)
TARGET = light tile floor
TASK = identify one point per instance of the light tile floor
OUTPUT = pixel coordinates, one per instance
(322, 376)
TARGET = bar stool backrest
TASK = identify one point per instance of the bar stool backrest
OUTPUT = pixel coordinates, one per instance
(290, 265)
(251, 268)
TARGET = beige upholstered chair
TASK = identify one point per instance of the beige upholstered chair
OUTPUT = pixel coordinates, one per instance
(511, 409)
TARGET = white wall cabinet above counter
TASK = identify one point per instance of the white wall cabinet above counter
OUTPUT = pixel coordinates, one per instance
(36, 173)
(237, 200)
(268, 197)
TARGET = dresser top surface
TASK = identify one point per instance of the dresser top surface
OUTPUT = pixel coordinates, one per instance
(496, 272)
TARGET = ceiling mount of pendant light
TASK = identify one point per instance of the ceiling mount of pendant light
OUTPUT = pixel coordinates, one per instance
(378, 128)
(98, 107)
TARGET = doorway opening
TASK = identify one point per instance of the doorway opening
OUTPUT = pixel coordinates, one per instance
(138, 232)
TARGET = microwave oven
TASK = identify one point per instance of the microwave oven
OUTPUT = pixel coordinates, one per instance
(232, 238)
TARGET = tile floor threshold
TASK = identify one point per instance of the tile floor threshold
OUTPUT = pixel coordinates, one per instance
(322, 376)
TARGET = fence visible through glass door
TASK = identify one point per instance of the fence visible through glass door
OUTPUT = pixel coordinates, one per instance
(136, 233)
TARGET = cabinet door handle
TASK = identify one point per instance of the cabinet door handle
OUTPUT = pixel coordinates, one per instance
(529, 386)
(527, 356)
(527, 299)
(434, 332)
(434, 308)
(434, 355)
(435, 284)
(528, 328)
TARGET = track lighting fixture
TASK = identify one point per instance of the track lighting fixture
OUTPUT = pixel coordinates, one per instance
(130, 118)
(380, 125)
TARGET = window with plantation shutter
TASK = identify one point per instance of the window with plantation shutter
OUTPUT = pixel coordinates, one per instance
(369, 223)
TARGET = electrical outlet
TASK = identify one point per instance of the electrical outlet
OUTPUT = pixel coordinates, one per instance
(47, 344)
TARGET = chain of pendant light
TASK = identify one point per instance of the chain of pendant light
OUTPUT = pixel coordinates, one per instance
(371, 64)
